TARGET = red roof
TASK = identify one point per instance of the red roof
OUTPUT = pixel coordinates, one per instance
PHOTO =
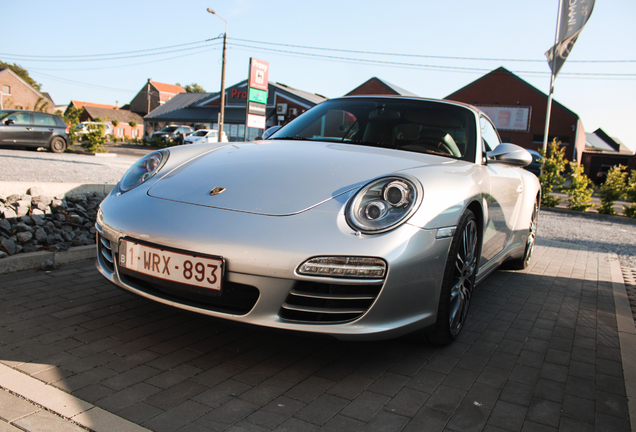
(80, 104)
(168, 88)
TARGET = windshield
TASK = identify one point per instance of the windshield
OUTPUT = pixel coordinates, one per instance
(4, 113)
(404, 124)
(200, 133)
(169, 129)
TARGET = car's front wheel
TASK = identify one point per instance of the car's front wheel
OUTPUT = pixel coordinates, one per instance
(459, 282)
(58, 145)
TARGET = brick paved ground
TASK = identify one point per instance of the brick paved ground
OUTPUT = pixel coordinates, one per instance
(540, 353)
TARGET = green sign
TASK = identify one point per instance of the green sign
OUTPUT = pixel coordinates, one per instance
(257, 95)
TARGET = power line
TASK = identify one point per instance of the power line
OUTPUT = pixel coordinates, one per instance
(85, 56)
(129, 64)
(422, 66)
(110, 58)
(423, 55)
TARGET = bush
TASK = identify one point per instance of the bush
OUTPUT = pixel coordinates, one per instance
(551, 179)
(630, 195)
(579, 192)
(613, 189)
(94, 140)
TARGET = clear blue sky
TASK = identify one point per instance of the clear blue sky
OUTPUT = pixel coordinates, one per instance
(488, 29)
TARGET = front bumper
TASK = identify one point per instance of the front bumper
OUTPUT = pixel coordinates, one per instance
(262, 253)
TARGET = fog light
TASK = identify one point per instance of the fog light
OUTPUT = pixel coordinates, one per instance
(353, 267)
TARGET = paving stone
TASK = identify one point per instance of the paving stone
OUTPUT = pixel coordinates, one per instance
(322, 409)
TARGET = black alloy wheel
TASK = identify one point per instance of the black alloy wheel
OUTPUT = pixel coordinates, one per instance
(459, 282)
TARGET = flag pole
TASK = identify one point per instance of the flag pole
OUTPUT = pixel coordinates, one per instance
(552, 78)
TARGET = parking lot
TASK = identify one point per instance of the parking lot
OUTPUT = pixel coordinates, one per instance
(546, 349)
(542, 351)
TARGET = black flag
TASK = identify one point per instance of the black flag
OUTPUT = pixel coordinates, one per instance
(574, 16)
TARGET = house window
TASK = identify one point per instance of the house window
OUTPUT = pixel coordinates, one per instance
(120, 132)
(135, 133)
(6, 90)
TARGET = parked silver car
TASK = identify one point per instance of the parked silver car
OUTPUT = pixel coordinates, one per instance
(365, 217)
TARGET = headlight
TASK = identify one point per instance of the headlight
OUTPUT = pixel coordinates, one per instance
(143, 169)
(384, 204)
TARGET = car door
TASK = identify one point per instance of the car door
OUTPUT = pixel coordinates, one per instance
(504, 199)
(17, 129)
(43, 129)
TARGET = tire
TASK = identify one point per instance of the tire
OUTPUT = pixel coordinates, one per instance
(458, 283)
(524, 261)
(58, 145)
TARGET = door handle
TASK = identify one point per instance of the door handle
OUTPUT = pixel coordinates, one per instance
(519, 189)
(29, 129)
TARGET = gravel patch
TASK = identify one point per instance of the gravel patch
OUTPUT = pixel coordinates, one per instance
(614, 234)
(41, 166)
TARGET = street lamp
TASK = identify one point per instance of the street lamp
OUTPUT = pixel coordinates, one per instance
(222, 111)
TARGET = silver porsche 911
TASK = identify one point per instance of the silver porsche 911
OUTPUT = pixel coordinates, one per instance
(365, 217)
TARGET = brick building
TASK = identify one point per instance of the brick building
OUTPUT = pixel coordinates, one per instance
(376, 86)
(518, 111)
(152, 95)
(18, 94)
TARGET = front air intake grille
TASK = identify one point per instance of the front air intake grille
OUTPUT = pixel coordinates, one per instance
(328, 303)
(234, 298)
(105, 252)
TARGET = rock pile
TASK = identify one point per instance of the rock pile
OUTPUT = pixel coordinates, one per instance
(34, 222)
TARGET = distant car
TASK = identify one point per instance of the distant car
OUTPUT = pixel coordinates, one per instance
(173, 133)
(205, 136)
(365, 217)
(535, 165)
(85, 127)
(23, 128)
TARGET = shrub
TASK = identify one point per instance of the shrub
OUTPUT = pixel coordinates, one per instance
(551, 179)
(630, 195)
(94, 140)
(579, 192)
(613, 189)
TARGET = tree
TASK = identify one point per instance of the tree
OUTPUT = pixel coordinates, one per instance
(612, 190)
(72, 119)
(192, 88)
(579, 192)
(94, 140)
(115, 122)
(551, 178)
(22, 73)
(133, 124)
(630, 195)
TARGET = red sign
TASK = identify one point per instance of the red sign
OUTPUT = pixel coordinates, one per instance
(259, 74)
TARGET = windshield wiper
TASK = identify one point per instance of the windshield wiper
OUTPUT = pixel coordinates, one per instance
(296, 138)
(369, 143)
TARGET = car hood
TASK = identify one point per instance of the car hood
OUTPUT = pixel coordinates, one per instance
(281, 177)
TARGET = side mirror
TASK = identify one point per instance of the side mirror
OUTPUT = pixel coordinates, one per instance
(509, 154)
(269, 132)
(10, 122)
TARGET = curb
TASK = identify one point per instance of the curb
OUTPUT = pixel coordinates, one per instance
(599, 216)
(53, 189)
(64, 404)
(33, 260)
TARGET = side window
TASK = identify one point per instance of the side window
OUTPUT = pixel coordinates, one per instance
(489, 134)
(20, 118)
(43, 120)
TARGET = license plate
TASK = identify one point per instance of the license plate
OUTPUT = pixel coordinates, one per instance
(173, 266)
